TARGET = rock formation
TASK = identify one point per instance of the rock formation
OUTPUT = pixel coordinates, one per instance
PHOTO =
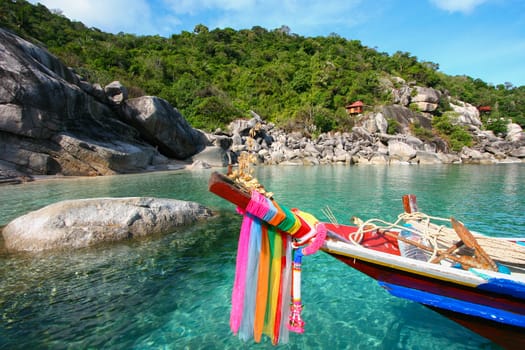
(368, 143)
(163, 126)
(52, 121)
(84, 222)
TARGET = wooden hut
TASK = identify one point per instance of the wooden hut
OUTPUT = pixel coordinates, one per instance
(484, 109)
(354, 108)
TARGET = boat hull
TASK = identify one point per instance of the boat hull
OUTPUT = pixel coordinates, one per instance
(486, 302)
(394, 280)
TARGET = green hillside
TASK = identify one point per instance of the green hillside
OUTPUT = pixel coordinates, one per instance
(214, 76)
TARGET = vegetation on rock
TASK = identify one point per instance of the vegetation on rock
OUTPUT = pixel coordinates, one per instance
(215, 76)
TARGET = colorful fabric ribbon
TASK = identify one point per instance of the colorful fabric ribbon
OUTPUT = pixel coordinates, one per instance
(264, 298)
(240, 274)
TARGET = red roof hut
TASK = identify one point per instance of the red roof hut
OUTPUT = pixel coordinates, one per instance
(484, 109)
(354, 108)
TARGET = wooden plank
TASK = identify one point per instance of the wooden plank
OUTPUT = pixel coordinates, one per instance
(410, 203)
(224, 187)
(470, 241)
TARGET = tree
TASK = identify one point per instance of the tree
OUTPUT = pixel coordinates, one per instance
(284, 30)
(200, 29)
(277, 73)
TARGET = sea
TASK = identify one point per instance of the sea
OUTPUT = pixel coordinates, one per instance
(173, 291)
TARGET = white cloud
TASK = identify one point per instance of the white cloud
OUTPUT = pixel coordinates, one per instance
(166, 17)
(465, 6)
(108, 15)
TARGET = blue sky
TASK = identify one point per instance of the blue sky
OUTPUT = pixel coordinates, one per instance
(483, 39)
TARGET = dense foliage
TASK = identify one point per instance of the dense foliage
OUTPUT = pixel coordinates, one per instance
(214, 76)
(456, 135)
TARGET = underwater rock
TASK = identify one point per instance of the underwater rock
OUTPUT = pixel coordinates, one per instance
(84, 222)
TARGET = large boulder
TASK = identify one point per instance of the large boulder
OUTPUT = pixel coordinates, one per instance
(402, 96)
(214, 156)
(518, 153)
(425, 106)
(426, 99)
(473, 156)
(164, 127)
(401, 151)
(84, 222)
(426, 94)
(116, 92)
(51, 121)
(467, 114)
(514, 133)
(41, 99)
(424, 157)
(374, 123)
(84, 156)
(404, 117)
(9, 175)
(243, 126)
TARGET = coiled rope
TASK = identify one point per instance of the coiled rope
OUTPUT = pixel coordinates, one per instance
(435, 236)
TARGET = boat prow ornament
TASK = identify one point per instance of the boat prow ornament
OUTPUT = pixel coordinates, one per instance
(266, 296)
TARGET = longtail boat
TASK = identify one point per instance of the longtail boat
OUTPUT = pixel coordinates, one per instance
(475, 280)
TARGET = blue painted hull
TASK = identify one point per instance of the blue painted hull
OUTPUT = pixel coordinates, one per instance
(495, 310)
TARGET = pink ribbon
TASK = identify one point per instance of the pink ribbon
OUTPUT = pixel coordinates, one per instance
(240, 275)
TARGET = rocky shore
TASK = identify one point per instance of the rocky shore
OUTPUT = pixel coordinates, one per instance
(53, 122)
(368, 143)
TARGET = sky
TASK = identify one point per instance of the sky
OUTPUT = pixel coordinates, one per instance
(483, 39)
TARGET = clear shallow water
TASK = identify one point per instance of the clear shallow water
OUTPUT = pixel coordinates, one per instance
(173, 291)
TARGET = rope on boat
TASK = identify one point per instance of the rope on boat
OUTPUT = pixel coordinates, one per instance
(438, 238)
(501, 250)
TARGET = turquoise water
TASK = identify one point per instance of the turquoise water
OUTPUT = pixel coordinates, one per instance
(173, 291)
